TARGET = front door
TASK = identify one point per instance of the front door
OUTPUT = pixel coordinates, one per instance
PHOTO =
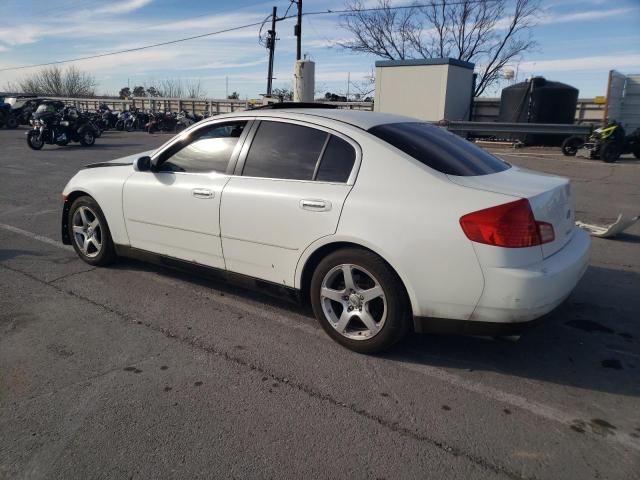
(174, 209)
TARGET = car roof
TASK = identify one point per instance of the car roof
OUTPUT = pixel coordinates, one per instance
(358, 118)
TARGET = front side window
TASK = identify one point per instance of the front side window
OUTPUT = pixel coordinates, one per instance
(285, 151)
(441, 150)
(209, 149)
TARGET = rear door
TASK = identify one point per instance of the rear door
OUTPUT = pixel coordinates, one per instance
(174, 210)
(290, 184)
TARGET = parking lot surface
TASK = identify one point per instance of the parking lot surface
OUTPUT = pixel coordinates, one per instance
(137, 371)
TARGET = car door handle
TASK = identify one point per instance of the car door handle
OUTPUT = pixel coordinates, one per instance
(202, 193)
(315, 205)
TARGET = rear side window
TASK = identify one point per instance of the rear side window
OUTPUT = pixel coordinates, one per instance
(441, 150)
(284, 150)
(337, 161)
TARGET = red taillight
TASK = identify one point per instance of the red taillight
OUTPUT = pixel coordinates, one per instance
(510, 225)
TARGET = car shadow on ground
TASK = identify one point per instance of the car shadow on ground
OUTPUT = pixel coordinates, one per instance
(592, 341)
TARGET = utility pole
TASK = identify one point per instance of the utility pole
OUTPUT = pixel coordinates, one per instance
(271, 45)
(297, 31)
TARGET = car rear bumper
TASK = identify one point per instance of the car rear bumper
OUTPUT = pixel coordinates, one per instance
(523, 294)
(514, 297)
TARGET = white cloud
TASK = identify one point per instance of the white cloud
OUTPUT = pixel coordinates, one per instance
(549, 18)
(592, 63)
(126, 6)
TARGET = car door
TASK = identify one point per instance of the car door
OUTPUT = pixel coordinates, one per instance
(291, 181)
(174, 209)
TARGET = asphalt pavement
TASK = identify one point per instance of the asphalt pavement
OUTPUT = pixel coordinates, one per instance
(136, 371)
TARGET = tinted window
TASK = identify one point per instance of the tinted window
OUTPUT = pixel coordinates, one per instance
(439, 149)
(337, 161)
(284, 150)
(207, 150)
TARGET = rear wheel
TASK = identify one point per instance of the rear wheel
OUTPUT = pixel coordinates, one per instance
(359, 301)
(636, 153)
(89, 232)
(610, 152)
(12, 122)
(570, 145)
(87, 138)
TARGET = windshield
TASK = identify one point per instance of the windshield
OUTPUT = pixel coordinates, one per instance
(438, 149)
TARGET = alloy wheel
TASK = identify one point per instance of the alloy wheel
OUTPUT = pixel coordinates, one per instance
(87, 232)
(353, 302)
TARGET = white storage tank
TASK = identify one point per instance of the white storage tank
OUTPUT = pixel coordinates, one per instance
(432, 89)
(304, 80)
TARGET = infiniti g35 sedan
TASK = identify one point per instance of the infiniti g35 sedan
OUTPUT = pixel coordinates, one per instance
(385, 224)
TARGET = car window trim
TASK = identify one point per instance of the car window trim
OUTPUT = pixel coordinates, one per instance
(249, 141)
(319, 160)
(157, 155)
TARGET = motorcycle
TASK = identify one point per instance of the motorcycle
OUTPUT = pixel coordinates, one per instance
(136, 121)
(185, 119)
(51, 126)
(162, 122)
(123, 117)
(7, 118)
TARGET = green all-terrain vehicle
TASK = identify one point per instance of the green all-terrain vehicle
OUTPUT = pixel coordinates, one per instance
(606, 143)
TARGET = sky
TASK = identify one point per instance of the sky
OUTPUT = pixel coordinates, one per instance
(578, 42)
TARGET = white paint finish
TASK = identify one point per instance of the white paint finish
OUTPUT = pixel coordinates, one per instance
(164, 215)
(397, 207)
(265, 229)
(105, 184)
(525, 293)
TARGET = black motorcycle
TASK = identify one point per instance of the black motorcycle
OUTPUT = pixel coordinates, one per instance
(55, 128)
(7, 118)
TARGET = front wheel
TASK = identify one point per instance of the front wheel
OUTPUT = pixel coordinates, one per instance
(87, 138)
(360, 301)
(35, 140)
(119, 125)
(570, 145)
(89, 232)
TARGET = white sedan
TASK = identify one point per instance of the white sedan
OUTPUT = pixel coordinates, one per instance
(384, 223)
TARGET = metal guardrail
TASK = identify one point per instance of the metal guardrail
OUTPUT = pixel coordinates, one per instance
(511, 128)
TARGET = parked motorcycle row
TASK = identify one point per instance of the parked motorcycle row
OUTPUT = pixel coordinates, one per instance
(56, 124)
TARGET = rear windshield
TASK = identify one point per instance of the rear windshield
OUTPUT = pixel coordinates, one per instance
(441, 150)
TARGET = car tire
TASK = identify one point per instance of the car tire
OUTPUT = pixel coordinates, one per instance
(570, 145)
(32, 141)
(363, 322)
(12, 122)
(87, 138)
(609, 152)
(90, 239)
(636, 153)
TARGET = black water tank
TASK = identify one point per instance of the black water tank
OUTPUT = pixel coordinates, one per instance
(538, 101)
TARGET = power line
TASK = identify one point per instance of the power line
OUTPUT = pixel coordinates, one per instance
(232, 29)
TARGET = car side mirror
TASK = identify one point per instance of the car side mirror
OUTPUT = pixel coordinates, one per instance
(143, 164)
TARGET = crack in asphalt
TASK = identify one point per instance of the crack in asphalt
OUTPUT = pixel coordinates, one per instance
(301, 387)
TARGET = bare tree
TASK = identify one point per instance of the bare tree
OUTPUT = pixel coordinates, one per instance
(364, 88)
(489, 33)
(194, 89)
(175, 88)
(55, 81)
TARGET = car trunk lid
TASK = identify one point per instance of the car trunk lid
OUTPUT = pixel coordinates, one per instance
(549, 196)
